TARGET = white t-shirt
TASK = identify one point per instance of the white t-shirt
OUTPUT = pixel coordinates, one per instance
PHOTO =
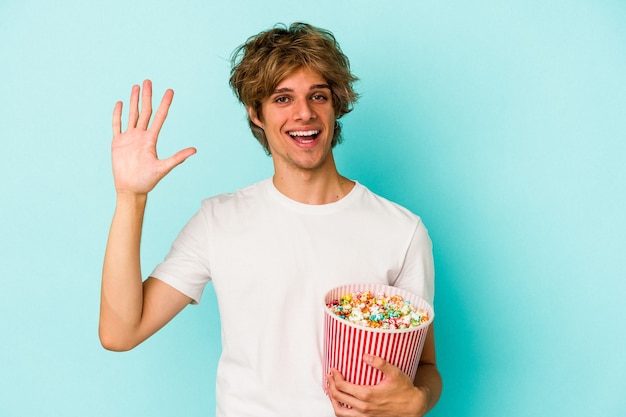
(271, 261)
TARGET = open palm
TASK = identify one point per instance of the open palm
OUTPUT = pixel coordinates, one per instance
(136, 166)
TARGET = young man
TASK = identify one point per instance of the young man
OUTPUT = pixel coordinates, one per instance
(273, 249)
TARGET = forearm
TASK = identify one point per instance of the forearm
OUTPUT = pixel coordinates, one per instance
(429, 381)
(121, 302)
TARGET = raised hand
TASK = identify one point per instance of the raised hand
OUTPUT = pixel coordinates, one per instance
(394, 396)
(136, 166)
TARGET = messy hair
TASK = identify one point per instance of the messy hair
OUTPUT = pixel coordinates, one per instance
(264, 60)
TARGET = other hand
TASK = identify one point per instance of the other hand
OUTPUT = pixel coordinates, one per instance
(394, 396)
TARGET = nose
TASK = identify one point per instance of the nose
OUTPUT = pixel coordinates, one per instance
(303, 110)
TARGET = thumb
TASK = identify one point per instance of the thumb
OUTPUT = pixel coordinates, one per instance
(379, 363)
(177, 159)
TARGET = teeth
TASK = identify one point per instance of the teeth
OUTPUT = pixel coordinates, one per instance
(304, 133)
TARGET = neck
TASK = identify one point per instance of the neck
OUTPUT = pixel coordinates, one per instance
(312, 186)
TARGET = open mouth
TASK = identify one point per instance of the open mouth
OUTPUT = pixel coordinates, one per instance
(304, 136)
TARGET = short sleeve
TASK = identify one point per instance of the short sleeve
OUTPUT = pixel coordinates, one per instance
(418, 271)
(186, 266)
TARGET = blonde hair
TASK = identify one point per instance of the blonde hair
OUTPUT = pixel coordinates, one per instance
(264, 60)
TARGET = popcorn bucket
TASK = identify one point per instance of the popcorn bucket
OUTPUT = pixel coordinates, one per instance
(345, 343)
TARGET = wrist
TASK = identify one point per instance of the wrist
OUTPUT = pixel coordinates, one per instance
(130, 203)
(125, 196)
(423, 398)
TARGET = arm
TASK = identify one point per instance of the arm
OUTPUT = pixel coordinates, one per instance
(396, 395)
(130, 310)
(427, 377)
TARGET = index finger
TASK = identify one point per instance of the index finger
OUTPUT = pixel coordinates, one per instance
(161, 114)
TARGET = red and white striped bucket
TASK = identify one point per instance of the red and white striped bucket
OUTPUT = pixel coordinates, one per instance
(345, 343)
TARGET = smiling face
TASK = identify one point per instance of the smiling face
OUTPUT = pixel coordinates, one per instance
(298, 119)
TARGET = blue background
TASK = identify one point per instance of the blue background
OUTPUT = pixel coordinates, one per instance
(502, 124)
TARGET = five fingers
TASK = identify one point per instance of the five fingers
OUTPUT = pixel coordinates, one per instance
(141, 135)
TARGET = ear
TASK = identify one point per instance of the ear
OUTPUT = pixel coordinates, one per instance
(254, 117)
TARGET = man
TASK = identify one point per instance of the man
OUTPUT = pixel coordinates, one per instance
(274, 248)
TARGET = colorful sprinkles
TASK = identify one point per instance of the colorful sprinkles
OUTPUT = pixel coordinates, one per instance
(380, 311)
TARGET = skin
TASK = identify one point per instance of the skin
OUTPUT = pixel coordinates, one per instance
(304, 170)
(131, 311)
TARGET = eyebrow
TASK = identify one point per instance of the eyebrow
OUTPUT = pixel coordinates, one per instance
(290, 90)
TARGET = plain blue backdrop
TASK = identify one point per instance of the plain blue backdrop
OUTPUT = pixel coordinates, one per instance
(501, 123)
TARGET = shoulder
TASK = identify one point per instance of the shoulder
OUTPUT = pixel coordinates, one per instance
(237, 209)
(386, 208)
(246, 196)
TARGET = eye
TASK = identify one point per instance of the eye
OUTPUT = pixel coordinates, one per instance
(319, 97)
(281, 99)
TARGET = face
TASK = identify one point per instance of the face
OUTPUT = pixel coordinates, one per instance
(298, 119)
